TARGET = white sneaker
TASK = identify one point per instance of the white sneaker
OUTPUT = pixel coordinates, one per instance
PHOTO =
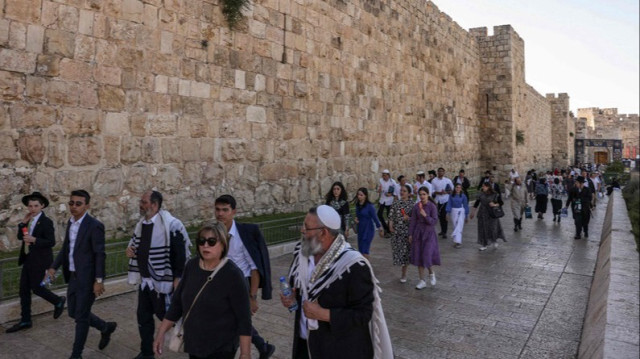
(432, 277)
(495, 245)
(482, 248)
(421, 284)
(403, 280)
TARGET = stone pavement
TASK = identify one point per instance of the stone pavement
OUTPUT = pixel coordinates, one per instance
(527, 299)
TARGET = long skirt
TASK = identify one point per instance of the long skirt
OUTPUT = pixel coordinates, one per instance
(541, 203)
(556, 204)
(457, 217)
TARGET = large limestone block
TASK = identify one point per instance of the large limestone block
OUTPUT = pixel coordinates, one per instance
(55, 148)
(111, 98)
(23, 10)
(79, 121)
(67, 181)
(116, 123)
(32, 116)
(31, 148)
(12, 86)
(277, 171)
(151, 151)
(48, 65)
(234, 150)
(112, 150)
(137, 179)
(59, 42)
(8, 149)
(17, 61)
(108, 182)
(84, 151)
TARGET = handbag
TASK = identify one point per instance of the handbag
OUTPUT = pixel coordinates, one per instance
(527, 212)
(176, 338)
(496, 212)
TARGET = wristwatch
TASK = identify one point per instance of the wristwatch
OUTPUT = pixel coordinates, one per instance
(99, 280)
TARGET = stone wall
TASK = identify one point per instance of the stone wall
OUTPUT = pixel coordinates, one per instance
(123, 95)
(607, 123)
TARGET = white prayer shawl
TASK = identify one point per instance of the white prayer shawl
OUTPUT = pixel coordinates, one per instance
(346, 258)
(159, 253)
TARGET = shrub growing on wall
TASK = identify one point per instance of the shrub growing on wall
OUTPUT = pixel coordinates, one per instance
(232, 10)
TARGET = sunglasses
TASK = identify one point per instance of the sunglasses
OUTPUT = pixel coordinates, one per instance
(76, 203)
(211, 241)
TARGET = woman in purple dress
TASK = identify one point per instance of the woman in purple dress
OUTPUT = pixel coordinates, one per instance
(422, 236)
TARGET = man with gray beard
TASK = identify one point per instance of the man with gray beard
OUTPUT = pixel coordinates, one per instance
(339, 312)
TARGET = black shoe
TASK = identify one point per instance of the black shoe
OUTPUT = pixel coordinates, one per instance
(59, 308)
(586, 235)
(19, 326)
(75, 357)
(267, 351)
(577, 236)
(142, 356)
(105, 336)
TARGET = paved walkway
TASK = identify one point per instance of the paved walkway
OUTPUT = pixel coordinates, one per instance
(526, 299)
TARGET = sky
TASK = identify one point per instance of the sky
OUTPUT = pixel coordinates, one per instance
(586, 48)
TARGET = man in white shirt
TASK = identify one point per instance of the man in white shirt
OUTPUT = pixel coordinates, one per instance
(513, 174)
(421, 181)
(248, 251)
(386, 190)
(442, 187)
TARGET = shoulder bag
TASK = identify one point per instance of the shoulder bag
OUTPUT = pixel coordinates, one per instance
(496, 211)
(176, 339)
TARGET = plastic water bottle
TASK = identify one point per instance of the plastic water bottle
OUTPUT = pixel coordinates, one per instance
(285, 289)
(48, 279)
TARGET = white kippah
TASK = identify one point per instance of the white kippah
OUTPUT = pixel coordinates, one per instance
(328, 216)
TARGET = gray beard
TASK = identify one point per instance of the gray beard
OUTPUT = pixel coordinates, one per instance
(310, 247)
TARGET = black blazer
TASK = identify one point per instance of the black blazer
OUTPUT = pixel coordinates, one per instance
(40, 252)
(257, 247)
(88, 255)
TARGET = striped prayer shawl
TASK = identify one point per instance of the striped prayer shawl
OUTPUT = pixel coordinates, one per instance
(165, 227)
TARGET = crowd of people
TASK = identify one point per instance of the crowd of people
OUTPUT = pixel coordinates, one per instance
(334, 290)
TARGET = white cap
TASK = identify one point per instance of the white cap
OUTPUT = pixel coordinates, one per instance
(385, 171)
(328, 216)
(420, 173)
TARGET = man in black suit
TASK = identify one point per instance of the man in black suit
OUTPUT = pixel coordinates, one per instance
(250, 254)
(37, 235)
(82, 258)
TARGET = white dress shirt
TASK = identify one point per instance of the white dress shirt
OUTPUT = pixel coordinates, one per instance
(238, 253)
(73, 235)
(440, 184)
(33, 222)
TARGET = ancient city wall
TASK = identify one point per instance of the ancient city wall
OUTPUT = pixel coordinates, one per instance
(122, 95)
(607, 123)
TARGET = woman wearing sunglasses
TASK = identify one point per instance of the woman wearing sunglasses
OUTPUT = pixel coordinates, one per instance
(212, 297)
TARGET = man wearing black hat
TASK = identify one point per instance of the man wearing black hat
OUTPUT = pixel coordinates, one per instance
(580, 201)
(37, 235)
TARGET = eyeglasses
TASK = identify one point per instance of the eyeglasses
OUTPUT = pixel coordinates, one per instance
(76, 203)
(311, 229)
(211, 241)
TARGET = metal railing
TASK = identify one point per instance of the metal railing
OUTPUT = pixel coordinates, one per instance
(274, 231)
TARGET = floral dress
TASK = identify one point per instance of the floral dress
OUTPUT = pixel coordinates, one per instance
(400, 246)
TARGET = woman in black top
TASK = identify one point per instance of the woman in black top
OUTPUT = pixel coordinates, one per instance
(338, 199)
(220, 318)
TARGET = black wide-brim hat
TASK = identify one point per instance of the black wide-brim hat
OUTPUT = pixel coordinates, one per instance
(35, 196)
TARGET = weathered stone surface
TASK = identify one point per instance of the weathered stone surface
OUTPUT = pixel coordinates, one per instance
(116, 123)
(12, 86)
(59, 42)
(78, 121)
(31, 148)
(108, 181)
(34, 116)
(84, 151)
(23, 10)
(131, 149)
(17, 61)
(55, 148)
(111, 98)
(8, 149)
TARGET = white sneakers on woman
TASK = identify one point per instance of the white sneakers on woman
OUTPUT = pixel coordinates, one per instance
(421, 284)
(432, 278)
